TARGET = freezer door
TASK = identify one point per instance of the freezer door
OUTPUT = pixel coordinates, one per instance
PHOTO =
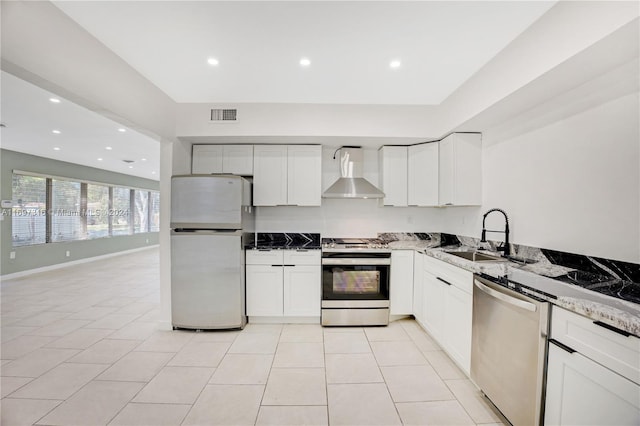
(206, 202)
(207, 280)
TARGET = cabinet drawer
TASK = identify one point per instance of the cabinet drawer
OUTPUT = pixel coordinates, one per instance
(302, 257)
(268, 257)
(452, 274)
(613, 350)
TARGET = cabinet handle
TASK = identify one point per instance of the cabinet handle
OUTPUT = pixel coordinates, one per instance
(264, 249)
(301, 250)
(288, 265)
(612, 328)
(276, 266)
(562, 346)
(444, 281)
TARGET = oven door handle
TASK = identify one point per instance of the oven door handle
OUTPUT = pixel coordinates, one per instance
(357, 262)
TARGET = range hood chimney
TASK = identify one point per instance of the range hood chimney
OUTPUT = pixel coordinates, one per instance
(351, 184)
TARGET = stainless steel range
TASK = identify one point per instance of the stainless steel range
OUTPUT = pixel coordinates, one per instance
(355, 282)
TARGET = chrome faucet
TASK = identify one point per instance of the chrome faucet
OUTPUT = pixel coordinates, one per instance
(483, 238)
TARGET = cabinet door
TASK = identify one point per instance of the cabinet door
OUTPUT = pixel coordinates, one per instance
(206, 159)
(457, 326)
(304, 181)
(581, 392)
(302, 287)
(418, 286)
(445, 171)
(237, 159)
(422, 178)
(264, 290)
(393, 175)
(401, 283)
(269, 175)
(433, 300)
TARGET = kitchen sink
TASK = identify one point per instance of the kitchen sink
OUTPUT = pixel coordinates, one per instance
(477, 257)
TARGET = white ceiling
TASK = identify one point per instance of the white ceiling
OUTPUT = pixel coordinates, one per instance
(259, 45)
(30, 119)
(350, 44)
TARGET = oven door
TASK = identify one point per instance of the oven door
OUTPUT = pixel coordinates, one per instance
(354, 282)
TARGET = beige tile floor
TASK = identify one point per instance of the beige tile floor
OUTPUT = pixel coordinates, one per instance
(80, 346)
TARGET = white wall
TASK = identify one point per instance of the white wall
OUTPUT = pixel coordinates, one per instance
(565, 30)
(572, 186)
(394, 121)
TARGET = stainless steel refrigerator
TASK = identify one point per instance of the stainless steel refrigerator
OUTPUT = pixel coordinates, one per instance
(211, 215)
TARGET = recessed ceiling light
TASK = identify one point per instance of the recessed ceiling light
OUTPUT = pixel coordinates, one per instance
(122, 130)
(131, 167)
(153, 173)
(395, 64)
(56, 148)
(143, 159)
(213, 61)
(99, 159)
(305, 62)
(57, 132)
(108, 148)
(54, 100)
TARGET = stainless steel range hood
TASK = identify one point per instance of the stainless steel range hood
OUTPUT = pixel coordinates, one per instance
(351, 184)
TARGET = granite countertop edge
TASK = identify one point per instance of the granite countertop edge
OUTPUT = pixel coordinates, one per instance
(598, 307)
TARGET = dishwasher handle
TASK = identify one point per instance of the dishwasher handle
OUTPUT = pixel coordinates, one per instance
(505, 297)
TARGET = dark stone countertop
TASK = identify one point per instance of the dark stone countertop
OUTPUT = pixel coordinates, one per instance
(283, 241)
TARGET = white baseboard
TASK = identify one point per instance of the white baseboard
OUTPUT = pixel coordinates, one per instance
(72, 263)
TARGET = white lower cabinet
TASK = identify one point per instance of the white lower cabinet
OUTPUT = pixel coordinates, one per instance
(457, 326)
(283, 283)
(301, 291)
(445, 307)
(418, 287)
(581, 391)
(264, 290)
(433, 314)
(401, 283)
(592, 373)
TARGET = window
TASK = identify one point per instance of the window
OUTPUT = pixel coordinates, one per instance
(97, 211)
(141, 211)
(154, 212)
(66, 222)
(48, 209)
(120, 212)
(28, 215)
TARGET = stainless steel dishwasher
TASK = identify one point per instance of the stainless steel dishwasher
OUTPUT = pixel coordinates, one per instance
(508, 352)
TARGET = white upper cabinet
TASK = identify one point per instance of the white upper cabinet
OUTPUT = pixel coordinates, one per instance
(460, 170)
(231, 159)
(270, 175)
(237, 159)
(393, 175)
(423, 174)
(287, 175)
(304, 180)
(206, 159)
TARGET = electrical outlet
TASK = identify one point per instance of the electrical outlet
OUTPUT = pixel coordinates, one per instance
(409, 219)
(68, 253)
(147, 241)
(12, 255)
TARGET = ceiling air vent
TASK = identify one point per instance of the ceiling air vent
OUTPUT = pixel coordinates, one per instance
(224, 115)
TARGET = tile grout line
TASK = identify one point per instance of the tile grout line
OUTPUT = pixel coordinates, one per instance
(264, 390)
